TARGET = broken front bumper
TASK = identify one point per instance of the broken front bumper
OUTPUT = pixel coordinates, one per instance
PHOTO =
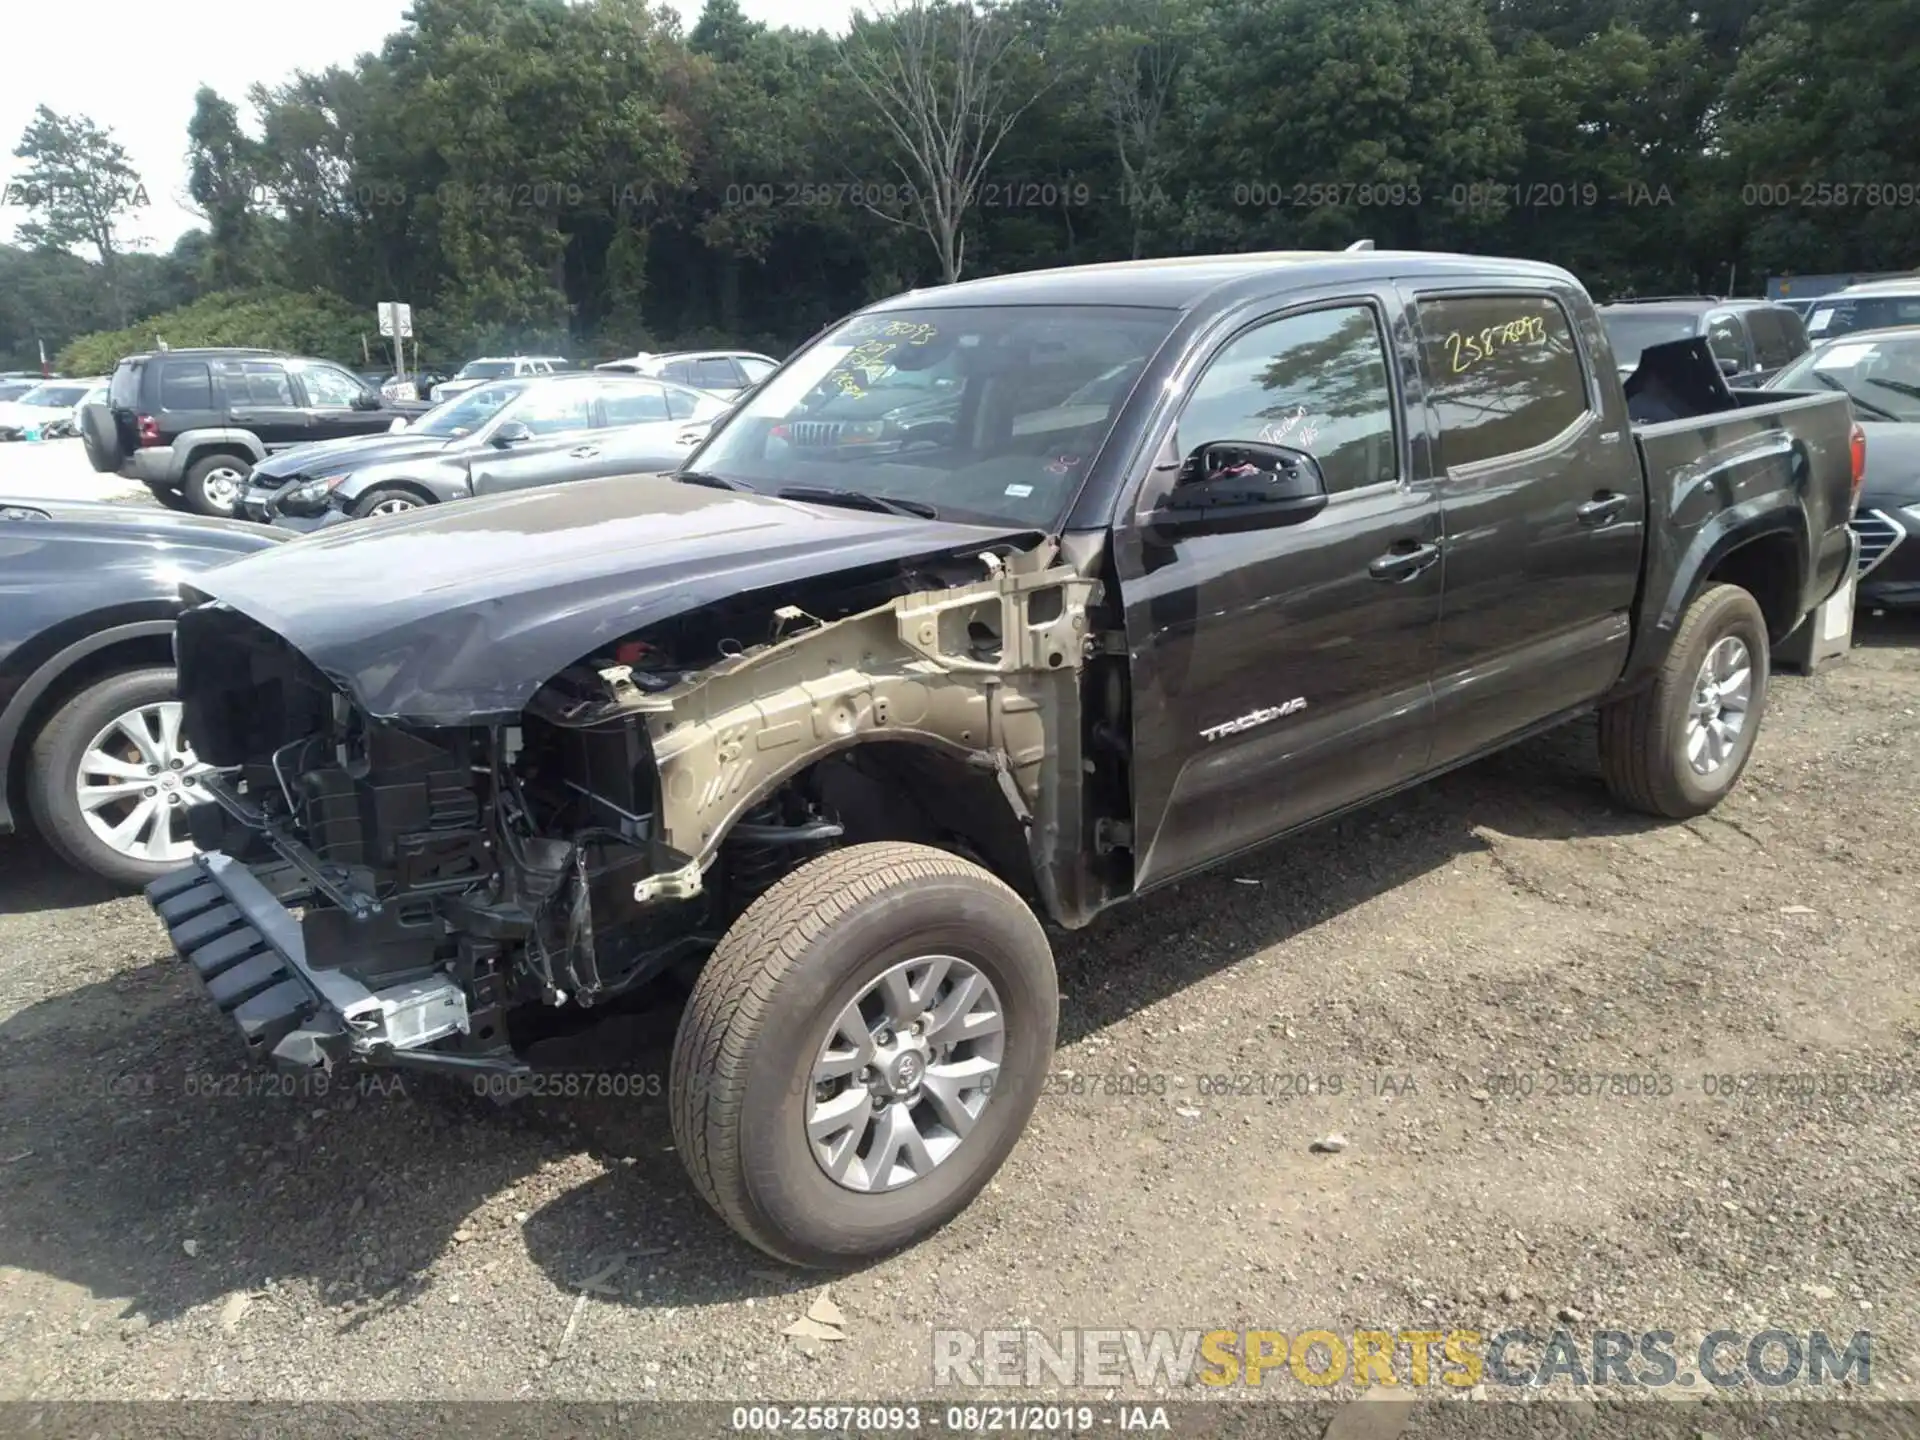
(246, 949)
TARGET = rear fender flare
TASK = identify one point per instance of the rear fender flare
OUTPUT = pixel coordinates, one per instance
(193, 445)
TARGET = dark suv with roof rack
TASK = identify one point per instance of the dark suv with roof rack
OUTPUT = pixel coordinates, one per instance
(191, 424)
(1753, 340)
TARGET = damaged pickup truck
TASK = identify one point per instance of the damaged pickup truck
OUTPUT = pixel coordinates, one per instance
(1149, 564)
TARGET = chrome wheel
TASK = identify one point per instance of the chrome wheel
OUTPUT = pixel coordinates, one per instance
(1722, 696)
(904, 1073)
(397, 505)
(222, 487)
(135, 780)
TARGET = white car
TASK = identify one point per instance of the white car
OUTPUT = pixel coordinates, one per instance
(718, 372)
(497, 367)
(47, 410)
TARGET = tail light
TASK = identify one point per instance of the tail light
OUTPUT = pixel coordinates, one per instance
(149, 429)
(1859, 452)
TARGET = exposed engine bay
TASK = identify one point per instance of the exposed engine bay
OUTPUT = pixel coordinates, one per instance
(472, 876)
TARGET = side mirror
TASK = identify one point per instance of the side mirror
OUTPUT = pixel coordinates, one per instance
(1227, 486)
(1729, 367)
(366, 400)
(511, 433)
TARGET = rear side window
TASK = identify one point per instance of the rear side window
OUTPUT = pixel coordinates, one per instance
(1727, 339)
(1504, 373)
(255, 382)
(185, 385)
(717, 371)
(633, 404)
(123, 391)
(680, 372)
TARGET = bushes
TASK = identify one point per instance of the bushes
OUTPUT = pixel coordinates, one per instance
(310, 323)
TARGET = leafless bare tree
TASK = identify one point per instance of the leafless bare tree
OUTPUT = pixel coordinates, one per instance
(942, 79)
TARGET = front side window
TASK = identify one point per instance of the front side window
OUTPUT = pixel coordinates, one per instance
(680, 372)
(328, 388)
(1630, 332)
(486, 370)
(755, 369)
(1772, 343)
(1504, 374)
(1004, 432)
(255, 382)
(1727, 339)
(555, 410)
(1315, 382)
(1843, 316)
(466, 413)
(716, 371)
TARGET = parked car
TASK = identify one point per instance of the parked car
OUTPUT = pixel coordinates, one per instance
(46, 410)
(90, 744)
(191, 424)
(1871, 305)
(478, 372)
(507, 435)
(1751, 339)
(825, 733)
(96, 395)
(417, 386)
(1879, 370)
(13, 389)
(719, 372)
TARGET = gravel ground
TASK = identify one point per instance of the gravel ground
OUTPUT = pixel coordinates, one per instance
(1443, 965)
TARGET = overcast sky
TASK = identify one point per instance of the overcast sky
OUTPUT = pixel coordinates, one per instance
(134, 68)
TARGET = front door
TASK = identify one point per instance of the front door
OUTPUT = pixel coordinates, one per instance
(1545, 513)
(560, 417)
(1282, 674)
(259, 397)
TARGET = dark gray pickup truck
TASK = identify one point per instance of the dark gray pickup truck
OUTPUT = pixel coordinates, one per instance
(816, 736)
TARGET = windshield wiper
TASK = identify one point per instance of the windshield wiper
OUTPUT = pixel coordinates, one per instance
(858, 500)
(1866, 405)
(710, 480)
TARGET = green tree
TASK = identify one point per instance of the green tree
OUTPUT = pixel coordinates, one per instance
(80, 189)
(223, 178)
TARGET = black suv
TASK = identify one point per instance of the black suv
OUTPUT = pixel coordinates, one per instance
(191, 424)
(1752, 339)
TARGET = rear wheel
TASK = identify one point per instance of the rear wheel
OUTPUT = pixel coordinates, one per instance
(1677, 747)
(862, 1052)
(213, 484)
(111, 777)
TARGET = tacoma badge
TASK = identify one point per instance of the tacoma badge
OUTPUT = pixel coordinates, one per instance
(1256, 719)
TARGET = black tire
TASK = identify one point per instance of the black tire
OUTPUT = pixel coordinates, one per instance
(380, 495)
(1643, 738)
(170, 498)
(54, 765)
(212, 469)
(758, 1013)
(101, 437)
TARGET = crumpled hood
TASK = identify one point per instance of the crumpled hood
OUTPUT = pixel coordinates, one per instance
(456, 614)
(357, 452)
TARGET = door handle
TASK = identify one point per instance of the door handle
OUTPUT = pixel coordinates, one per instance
(1406, 560)
(1602, 508)
(584, 452)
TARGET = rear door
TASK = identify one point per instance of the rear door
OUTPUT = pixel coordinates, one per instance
(1544, 505)
(640, 431)
(259, 397)
(718, 373)
(1283, 673)
(560, 447)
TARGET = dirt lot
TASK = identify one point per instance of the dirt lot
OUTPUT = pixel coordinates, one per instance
(1452, 961)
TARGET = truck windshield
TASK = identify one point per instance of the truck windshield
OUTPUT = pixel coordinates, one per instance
(1882, 376)
(987, 413)
(1630, 334)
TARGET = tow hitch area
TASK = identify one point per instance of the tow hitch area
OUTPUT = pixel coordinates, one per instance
(247, 951)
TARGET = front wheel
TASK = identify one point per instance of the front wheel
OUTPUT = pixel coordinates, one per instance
(862, 1051)
(1677, 747)
(111, 777)
(387, 500)
(212, 486)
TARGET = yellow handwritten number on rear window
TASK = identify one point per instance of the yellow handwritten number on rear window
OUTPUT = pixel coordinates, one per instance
(1466, 351)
